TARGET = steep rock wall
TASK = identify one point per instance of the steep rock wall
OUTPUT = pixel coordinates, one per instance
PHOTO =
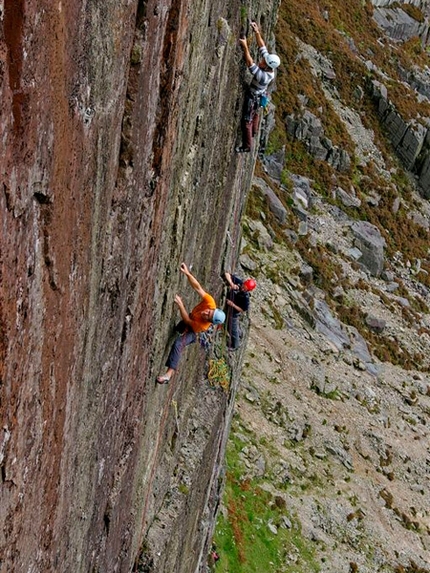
(398, 24)
(118, 125)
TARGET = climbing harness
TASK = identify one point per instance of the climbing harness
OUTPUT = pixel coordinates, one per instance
(252, 105)
(205, 338)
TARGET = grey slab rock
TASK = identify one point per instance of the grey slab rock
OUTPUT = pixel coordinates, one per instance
(376, 324)
(329, 326)
(392, 286)
(272, 528)
(275, 205)
(359, 346)
(322, 384)
(397, 24)
(396, 205)
(303, 228)
(341, 454)
(318, 148)
(247, 263)
(286, 523)
(303, 183)
(347, 199)
(274, 164)
(411, 145)
(301, 213)
(267, 126)
(309, 129)
(300, 197)
(419, 219)
(355, 253)
(371, 243)
(339, 159)
(261, 234)
(410, 140)
(339, 215)
(418, 79)
(306, 274)
(424, 177)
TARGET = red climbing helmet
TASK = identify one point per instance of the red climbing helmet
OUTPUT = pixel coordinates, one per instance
(249, 284)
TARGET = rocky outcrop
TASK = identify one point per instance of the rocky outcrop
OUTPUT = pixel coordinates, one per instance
(371, 244)
(399, 25)
(118, 124)
(308, 128)
(275, 204)
(411, 140)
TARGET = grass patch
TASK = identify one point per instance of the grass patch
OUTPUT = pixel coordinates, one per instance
(243, 538)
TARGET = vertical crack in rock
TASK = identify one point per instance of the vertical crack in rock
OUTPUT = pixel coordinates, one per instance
(44, 202)
(126, 147)
(8, 198)
(13, 24)
(167, 87)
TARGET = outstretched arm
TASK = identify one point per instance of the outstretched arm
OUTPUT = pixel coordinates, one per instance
(258, 37)
(192, 280)
(230, 281)
(238, 308)
(246, 54)
(182, 310)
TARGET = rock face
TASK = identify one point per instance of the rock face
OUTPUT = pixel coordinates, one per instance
(308, 129)
(118, 125)
(411, 140)
(399, 25)
(273, 201)
(371, 244)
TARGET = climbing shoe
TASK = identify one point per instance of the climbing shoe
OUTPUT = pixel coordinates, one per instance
(163, 379)
(242, 150)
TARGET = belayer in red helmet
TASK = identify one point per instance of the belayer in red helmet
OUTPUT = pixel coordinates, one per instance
(237, 302)
(249, 284)
(198, 320)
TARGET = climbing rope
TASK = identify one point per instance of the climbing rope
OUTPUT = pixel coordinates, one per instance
(219, 374)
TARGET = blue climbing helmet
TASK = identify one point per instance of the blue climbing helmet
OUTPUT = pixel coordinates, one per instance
(218, 317)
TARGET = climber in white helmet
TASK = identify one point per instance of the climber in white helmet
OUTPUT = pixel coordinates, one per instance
(262, 74)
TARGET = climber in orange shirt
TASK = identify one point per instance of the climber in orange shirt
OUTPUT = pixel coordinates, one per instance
(198, 320)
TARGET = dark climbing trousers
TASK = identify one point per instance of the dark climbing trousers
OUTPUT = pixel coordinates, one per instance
(233, 331)
(250, 118)
(178, 346)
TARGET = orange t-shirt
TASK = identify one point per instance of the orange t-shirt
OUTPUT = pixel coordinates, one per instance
(199, 324)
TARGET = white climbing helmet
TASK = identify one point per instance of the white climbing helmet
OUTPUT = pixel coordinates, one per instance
(272, 60)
